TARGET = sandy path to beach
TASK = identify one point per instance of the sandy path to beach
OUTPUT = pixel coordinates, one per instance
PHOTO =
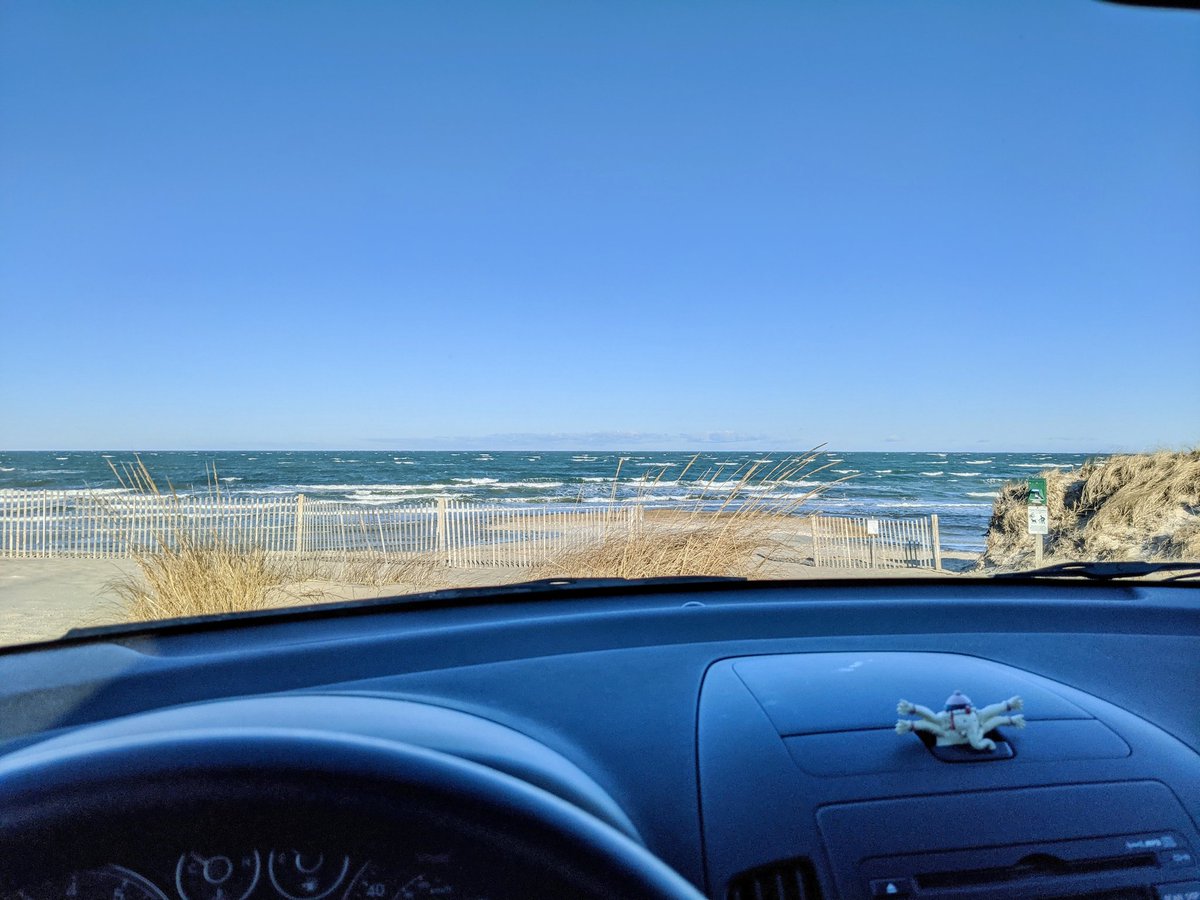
(41, 599)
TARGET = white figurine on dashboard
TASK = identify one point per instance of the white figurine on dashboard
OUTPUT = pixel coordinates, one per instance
(960, 722)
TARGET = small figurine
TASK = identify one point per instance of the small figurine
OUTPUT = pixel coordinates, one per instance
(960, 723)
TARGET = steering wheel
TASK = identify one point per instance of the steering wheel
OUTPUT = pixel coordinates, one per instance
(80, 806)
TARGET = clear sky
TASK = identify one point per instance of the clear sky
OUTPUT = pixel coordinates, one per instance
(885, 225)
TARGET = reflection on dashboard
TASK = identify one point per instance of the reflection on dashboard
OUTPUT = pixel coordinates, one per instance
(290, 874)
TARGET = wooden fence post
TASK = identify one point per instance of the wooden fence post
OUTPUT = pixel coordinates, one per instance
(936, 540)
(298, 545)
(442, 543)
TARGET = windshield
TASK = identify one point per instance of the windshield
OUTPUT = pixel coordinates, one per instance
(327, 301)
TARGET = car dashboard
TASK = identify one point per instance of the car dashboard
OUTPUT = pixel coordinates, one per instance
(742, 734)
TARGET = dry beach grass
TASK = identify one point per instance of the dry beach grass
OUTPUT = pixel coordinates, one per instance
(728, 529)
(1143, 506)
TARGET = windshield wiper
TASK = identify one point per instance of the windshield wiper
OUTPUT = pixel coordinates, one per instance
(1107, 571)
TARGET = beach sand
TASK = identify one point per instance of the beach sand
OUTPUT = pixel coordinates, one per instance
(41, 599)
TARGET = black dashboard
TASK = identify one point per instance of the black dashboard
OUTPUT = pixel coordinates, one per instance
(744, 735)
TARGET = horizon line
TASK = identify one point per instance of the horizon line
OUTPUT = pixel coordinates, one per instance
(609, 450)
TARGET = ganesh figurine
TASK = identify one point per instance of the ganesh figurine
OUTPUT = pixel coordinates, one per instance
(960, 722)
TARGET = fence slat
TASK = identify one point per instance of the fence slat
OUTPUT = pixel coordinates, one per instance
(60, 523)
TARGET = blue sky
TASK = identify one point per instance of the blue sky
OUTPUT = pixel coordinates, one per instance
(884, 225)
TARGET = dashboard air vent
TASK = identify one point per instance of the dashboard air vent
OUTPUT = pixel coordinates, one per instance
(793, 879)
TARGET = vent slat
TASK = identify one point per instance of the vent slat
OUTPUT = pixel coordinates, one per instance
(793, 879)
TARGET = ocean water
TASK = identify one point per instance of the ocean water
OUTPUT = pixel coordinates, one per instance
(959, 487)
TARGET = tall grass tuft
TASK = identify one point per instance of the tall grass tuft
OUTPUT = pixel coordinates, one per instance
(732, 525)
(198, 578)
(186, 573)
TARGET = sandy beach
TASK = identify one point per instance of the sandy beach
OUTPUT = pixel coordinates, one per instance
(41, 599)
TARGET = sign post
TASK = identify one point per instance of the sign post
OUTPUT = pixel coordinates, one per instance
(872, 536)
(1038, 520)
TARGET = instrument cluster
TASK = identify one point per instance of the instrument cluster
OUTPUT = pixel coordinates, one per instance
(283, 874)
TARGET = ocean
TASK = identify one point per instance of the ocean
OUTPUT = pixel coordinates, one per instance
(959, 487)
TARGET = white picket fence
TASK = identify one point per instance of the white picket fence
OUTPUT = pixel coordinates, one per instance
(115, 525)
(843, 542)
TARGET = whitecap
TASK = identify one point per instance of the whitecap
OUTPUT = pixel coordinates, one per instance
(903, 504)
(373, 499)
(62, 458)
(230, 478)
(499, 485)
(977, 462)
(477, 480)
(932, 474)
(1043, 466)
(992, 494)
(883, 471)
(344, 488)
(965, 474)
(72, 492)
(7, 469)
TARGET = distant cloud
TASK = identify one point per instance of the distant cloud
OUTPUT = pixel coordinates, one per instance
(892, 439)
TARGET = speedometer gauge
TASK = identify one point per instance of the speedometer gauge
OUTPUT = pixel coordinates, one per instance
(380, 882)
(304, 875)
(217, 876)
(376, 882)
(110, 883)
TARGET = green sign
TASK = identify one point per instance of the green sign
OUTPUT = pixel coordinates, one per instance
(1037, 491)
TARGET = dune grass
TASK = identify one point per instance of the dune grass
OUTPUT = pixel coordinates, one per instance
(196, 578)
(187, 574)
(729, 528)
(1141, 506)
